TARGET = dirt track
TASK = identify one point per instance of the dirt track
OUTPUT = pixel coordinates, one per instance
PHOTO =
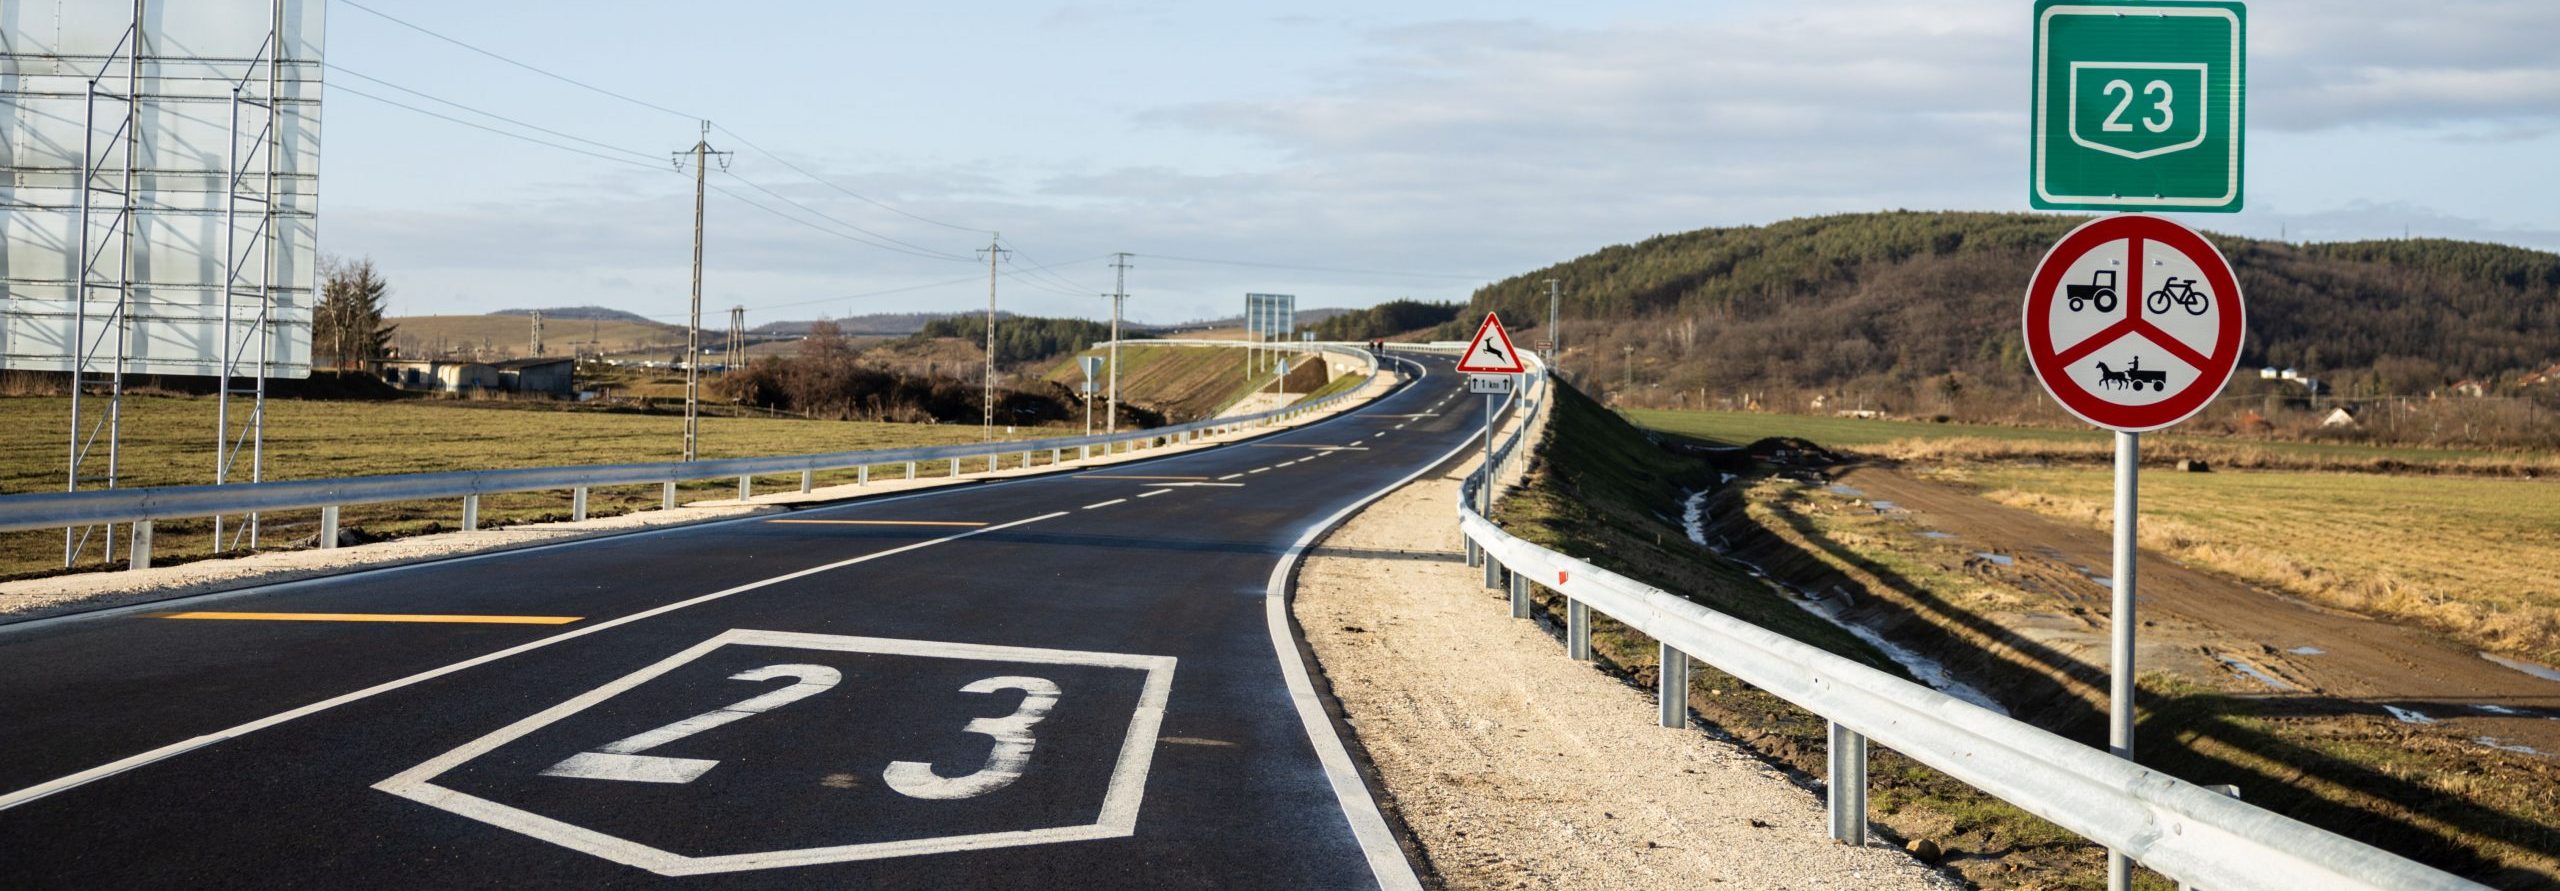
(2230, 636)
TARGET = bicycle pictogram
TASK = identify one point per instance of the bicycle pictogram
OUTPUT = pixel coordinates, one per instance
(2181, 291)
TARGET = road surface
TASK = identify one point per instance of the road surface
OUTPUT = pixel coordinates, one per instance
(1069, 681)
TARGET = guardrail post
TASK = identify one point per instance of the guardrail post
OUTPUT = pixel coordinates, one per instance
(577, 510)
(1577, 629)
(991, 462)
(862, 476)
(1674, 682)
(1057, 456)
(1492, 572)
(141, 555)
(955, 468)
(808, 481)
(1475, 554)
(911, 470)
(667, 495)
(470, 512)
(1519, 596)
(1847, 786)
(329, 521)
(1084, 452)
(1026, 459)
(746, 487)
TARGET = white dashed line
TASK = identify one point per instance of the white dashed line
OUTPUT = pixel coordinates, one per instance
(1258, 470)
(1356, 443)
(1153, 493)
(1229, 476)
(1104, 503)
(1286, 463)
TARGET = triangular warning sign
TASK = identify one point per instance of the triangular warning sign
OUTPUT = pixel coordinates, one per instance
(1491, 352)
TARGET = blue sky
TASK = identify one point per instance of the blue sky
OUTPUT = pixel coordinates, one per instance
(1452, 143)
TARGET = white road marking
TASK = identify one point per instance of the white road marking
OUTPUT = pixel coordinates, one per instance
(1102, 504)
(1153, 493)
(1258, 470)
(121, 765)
(1356, 443)
(1012, 733)
(621, 758)
(1230, 476)
(1204, 485)
(1284, 463)
(1118, 819)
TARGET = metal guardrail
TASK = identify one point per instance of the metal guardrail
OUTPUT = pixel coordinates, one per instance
(2192, 834)
(142, 506)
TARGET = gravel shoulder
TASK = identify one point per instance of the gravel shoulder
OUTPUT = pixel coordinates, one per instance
(1515, 767)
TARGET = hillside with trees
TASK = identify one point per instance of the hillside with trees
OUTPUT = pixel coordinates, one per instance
(1917, 313)
(1385, 320)
(1023, 338)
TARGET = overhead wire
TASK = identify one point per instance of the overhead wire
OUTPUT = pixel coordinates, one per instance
(502, 58)
(891, 244)
(489, 114)
(342, 88)
(795, 168)
(1333, 269)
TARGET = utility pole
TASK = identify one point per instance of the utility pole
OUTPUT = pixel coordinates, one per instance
(1629, 353)
(737, 337)
(1555, 325)
(994, 250)
(537, 335)
(1119, 295)
(702, 154)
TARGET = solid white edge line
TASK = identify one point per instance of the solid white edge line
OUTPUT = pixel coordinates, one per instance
(112, 768)
(1103, 504)
(1368, 824)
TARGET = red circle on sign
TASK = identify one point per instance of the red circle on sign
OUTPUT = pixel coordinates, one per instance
(2052, 363)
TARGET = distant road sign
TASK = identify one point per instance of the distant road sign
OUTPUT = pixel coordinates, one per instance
(1491, 351)
(2134, 322)
(1092, 366)
(1489, 384)
(2139, 105)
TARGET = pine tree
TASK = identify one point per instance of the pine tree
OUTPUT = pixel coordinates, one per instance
(348, 322)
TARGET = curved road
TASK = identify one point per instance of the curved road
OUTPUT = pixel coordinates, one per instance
(1079, 680)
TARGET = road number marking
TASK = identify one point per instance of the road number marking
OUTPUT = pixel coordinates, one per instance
(621, 759)
(2162, 105)
(1012, 733)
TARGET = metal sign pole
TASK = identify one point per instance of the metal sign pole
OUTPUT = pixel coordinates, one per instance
(2120, 680)
(1484, 493)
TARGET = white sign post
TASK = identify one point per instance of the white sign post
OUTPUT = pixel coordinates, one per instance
(1490, 353)
(2114, 293)
(1092, 365)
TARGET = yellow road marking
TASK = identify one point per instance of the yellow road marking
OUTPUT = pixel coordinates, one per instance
(1097, 476)
(376, 617)
(882, 522)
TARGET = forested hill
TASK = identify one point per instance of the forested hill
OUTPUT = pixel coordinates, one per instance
(1902, 299)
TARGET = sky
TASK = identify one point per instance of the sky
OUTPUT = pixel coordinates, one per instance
(1348, 153)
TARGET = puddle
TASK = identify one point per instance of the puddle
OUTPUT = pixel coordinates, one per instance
(2494, 743)
(1727, 478)
(1996, 559)
(1932, 533)
(2262, 677)
(2408, 716)
(1851, 491)
(2487, 709)
(1929, 671)
(1882, 506)
(2544, 672)
(2308, 651)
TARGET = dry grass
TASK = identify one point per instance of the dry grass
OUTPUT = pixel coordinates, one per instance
(2229, 454)
(168, 441)
(2473, 558)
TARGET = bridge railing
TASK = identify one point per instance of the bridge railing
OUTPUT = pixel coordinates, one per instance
(143, 506)
(2197, 836)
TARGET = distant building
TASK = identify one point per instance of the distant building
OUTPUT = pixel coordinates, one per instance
(438, 375)
(549, 377)
(2339, 417)
(2268, 374)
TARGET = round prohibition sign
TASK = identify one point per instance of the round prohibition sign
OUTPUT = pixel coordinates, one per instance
(2133, 322)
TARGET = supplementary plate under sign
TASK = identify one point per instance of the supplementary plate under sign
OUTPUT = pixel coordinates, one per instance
(1494, 384)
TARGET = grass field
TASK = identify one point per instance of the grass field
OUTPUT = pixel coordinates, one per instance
(2474, 558)
(169, 441)
(1981, 442)
(1185, 383)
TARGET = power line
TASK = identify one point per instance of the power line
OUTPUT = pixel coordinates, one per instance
(1318, 268)
(493, 115)
(1078, 289)
(916, 249)
(558, 77)
(342, 88)
(778, 159)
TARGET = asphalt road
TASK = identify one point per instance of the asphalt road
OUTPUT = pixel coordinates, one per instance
(1067, 681)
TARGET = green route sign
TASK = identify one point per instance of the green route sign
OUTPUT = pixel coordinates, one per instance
(2139, 105)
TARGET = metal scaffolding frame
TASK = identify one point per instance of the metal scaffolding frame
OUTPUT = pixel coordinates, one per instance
(264, 150)
(117, 329)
